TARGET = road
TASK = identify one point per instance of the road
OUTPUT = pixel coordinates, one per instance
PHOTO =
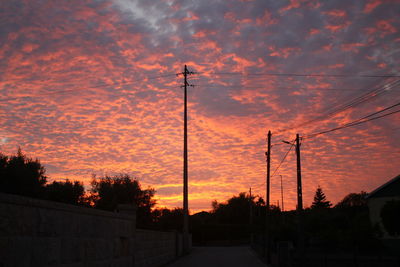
(219, 257)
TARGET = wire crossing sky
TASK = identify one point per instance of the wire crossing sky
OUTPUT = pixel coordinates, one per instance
(91, 89)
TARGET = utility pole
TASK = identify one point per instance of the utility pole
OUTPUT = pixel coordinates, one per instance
(251, 210)
(251, 218)
(268, 169)
(300, 233)
(185, 166)
(267, 203)
(281, 193)
(299, 188)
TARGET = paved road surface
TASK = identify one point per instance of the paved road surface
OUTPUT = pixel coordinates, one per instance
(219, 257)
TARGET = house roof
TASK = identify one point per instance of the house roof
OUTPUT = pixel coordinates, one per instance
(390, 188)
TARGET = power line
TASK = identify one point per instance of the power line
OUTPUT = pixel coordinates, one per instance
(277, 144)
(357, 122)
(352, 103)
(283, 159)
(62, 91)
(79, 89)
(377, 112)
(307, 75)
(316, 89)
(49, 80)
(330, 112)
(218, 73)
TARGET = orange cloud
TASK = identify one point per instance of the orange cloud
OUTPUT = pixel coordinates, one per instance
(314, 31)
(337, 27)
(352, 47)
(336, 13)
(386, 27)
(266, 19)
(284, 52)
(292, 5)
(371, 5)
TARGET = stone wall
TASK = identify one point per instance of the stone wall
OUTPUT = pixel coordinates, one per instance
(42, 233)
(153, 247)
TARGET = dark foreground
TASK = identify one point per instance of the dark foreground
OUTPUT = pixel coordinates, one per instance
(220, 257)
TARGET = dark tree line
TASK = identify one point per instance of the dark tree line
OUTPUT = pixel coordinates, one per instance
(24, 176)
(70, 192)
(21, 175)
(344, 225)
(108, 192)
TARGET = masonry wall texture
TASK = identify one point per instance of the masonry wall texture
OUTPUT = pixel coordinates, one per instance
(42, 233)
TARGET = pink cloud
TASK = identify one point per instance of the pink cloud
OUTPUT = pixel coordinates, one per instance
(371, 5)
(292, 5)
(266, 19)
(314, 31)
(385, 27)
(336, 13)
(352, 47)
(337, 27)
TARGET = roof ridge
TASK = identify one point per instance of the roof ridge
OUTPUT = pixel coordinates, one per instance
(383, 186)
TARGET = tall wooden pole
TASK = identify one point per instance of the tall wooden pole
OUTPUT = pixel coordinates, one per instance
(250, 210)
(299, 188)
(282, 209)
(185, 170)
(300, 241)
(267, 205)
(268, 170)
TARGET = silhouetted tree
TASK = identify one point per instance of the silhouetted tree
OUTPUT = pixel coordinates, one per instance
(320, 201)
(260, 202)
(353, 200)
(21, 175)
(343, 227)
(168, 219)
(108, 192)
(66, 192)
(236, 210)
(390, 215)
(3, 164)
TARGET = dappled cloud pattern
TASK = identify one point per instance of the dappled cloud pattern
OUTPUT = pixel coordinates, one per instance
(91, 88)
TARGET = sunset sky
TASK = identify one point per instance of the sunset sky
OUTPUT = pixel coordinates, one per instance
(90, 87)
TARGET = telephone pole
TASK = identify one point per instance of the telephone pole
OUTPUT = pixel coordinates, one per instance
(250, 209)
(267, 203)
(281, 193)
(185, 166)
(299, 188)
(268, 169)
(300, 241)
